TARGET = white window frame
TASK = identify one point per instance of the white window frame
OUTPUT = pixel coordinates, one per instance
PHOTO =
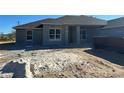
(82, 34)
(55, 39)
(29, 35)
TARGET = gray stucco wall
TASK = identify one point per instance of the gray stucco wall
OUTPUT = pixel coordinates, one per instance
(47, 42)
(110, 32)
(41, 36)
(37, 36)
(72, 34)
(21, 37)
(64, 34)
(89, 33)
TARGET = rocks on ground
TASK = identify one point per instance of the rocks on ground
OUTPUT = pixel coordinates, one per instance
(56, 64)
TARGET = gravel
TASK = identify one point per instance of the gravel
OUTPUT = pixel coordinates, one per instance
(53, 62)
(58, 63)
(6, 75)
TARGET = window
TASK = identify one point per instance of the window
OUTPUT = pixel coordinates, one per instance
(83, 34)
(55, 34)
(29, 36)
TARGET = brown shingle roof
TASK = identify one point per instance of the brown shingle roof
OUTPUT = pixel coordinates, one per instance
(76, 20)
(83, 20)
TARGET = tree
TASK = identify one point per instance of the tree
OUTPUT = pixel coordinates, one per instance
(8, 37)
(12, 35)
(2, 36)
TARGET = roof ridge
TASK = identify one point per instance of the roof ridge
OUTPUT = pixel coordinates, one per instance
(115, 19)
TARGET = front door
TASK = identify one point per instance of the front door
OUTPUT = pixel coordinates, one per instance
(72, 34)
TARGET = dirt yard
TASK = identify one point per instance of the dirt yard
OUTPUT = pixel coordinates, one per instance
(61, 63)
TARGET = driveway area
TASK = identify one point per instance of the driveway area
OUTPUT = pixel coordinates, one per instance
(61, 63)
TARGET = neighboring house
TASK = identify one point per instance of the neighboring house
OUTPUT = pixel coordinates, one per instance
(63, 31)
(114, 28)
(111, 36)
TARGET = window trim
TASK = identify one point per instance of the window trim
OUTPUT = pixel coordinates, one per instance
(55, 34)
(82, 34)
(29, 35)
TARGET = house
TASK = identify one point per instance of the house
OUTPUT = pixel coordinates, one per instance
(62, 31)
(114, 28)
(111, 36)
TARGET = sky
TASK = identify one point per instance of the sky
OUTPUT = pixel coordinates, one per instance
(9, 21)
